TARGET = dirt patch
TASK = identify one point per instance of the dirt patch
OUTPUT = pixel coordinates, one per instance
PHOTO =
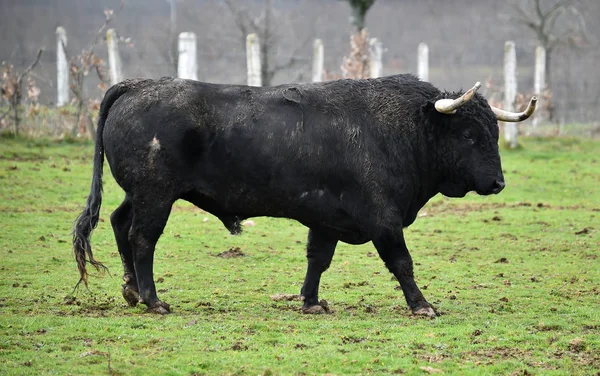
(239, 346)
(287, 297)
(20, 158)
(348, 285)
(497, 353)
(577, 345)
(586, 230)
(442, 207)
(231, 253)
(287, 307)
(352, 339)
(37, 209)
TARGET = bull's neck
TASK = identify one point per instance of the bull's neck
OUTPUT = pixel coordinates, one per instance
(425, 179)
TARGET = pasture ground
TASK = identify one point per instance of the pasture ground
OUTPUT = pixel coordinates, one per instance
(516, 278)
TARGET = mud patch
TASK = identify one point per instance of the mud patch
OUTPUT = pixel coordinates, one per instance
(239, 346)
(443, 207)
(349, 285)
(287, 297)
(586, 230)
(352, 339)
(493, 354)
(287, 307)
(231, 253)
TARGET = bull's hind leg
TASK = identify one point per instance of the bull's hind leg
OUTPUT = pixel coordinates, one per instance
(150, 216)
(392, 250)
(319, 252)
(121, 223)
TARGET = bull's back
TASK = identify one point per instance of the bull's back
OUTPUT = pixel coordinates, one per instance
(245, 149)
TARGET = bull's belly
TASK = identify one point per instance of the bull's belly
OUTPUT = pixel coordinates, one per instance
(312, 209)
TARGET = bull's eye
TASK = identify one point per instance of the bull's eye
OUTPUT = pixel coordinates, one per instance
(467, 135)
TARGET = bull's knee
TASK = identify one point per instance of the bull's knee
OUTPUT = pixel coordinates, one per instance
(401, 268)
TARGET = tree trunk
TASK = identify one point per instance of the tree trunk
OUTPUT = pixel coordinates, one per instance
(89, 123)
(173, 38)
(265, 45)
(359, 12)
(549, 68)
(358, 18)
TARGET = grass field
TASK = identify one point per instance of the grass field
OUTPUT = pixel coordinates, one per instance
(516, 278)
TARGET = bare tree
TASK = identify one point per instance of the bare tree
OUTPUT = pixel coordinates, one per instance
(12, 88)
(556, 24)
(266, 27)
(167, 39)
(80, 66)
(359, 13)
(356, 65)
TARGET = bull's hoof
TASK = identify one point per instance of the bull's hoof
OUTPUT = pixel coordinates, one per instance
(130, 295)
(317, 309)
(425, 311)
(161, 308)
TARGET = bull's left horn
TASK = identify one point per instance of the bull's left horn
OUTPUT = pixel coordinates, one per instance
(449, 106)
(516, 116)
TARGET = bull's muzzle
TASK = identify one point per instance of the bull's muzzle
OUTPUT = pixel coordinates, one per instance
(498, 186)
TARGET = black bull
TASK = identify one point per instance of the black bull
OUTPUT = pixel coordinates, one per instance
(352, 160)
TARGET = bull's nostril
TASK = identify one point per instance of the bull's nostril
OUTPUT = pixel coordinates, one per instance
(499, 186)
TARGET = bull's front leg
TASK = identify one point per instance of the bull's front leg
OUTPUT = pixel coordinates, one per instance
(392, 250)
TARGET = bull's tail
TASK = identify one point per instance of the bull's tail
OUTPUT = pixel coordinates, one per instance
(88, 219)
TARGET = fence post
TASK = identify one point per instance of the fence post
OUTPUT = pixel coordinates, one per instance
(318, 60)
(253, 60)
(62, 68)
(114, 59)
(186, 63)
(539, 83)
(510, 92)
(423, 62)
(375, 54)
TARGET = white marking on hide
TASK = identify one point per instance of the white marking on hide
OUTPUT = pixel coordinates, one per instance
(303, 194)
(154, 146)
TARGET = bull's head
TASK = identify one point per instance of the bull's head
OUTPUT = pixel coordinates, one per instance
(467, 146)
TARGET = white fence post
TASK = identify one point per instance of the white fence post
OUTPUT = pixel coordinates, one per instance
(318, 61)
(539, 83)
(423, 62)
(375, 52)
(186, 63)
(114, 59)
(62, 68)
(510, 92)
(253, 60)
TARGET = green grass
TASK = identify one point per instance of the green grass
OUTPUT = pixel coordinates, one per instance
(516, 278)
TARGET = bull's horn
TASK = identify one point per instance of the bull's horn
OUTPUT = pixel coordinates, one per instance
(449, 106)
(516, 116)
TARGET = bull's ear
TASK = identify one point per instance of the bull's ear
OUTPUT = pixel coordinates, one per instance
(429, 110)
(428, 107)
(433, 116)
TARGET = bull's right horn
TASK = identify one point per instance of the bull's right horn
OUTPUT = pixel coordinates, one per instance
(449, 106)
(514, 117)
